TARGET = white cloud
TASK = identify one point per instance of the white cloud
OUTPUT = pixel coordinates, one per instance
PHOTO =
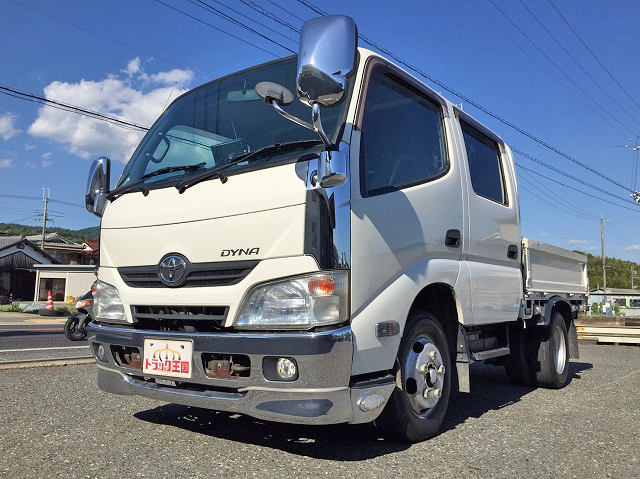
(133, 67)
(579, 242)
(544, 234)
(139, 98)
(7, 130)
(6, 163)
(29, 146)
(45, 159)
(633, 247)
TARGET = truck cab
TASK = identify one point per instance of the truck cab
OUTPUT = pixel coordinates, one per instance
(345, 269)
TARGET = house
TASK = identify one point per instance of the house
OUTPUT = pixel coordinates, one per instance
(628, 300)
(29, 269)
(18, 255)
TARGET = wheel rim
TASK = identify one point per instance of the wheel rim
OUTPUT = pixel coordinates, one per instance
(424, 375)
(560, 350)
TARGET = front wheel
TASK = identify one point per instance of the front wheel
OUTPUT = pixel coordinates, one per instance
(419, 403)
(71, 330)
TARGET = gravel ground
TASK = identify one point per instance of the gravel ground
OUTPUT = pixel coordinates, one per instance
(56, 423)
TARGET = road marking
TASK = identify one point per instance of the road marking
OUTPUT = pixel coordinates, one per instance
(42, 349)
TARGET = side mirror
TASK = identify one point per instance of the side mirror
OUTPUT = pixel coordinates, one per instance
(326, 58)
(98, 186)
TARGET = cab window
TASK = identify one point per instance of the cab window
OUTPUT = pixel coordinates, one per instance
(402, 136)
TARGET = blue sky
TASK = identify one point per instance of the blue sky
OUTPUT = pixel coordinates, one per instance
(128, 59)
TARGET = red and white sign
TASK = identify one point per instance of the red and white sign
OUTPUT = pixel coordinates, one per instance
(164, 357)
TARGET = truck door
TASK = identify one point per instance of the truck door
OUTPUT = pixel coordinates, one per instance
(494, 246)
(406, 195)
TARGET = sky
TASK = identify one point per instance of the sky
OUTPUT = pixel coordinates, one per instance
(556, 79)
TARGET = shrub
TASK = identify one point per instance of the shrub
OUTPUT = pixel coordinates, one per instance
(11, 308)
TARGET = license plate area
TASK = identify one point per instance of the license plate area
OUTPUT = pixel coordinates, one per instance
(168, 357)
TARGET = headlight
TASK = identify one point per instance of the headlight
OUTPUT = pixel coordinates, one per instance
(301, 302)
(107, 305)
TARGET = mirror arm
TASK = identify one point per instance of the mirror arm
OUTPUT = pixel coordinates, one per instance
(317, 125)
(290, 117)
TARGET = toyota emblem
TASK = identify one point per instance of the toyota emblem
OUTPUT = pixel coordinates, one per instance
(172, 270)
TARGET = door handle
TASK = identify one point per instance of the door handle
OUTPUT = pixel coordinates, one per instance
(512, 251)
(452, 240)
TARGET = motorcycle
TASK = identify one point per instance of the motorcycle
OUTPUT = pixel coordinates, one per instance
(76, 326)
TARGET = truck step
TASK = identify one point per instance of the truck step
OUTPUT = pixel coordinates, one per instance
(490, 353)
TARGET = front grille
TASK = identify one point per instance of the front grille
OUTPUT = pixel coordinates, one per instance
(191, 319)
(198, 274)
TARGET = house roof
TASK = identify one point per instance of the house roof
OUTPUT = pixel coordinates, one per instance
(12, 252)
(54, 240)
(617, 292)
(92, 244)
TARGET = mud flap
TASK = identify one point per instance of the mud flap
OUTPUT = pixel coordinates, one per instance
(572, 336)
(462, 362)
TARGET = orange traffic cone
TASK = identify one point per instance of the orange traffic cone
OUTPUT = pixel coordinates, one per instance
(49, 302)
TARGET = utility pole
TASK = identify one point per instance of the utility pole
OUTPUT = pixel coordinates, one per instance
(633, 275)
(604, 267)
(45, 198)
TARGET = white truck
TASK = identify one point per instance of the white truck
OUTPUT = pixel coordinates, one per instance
(343, 270)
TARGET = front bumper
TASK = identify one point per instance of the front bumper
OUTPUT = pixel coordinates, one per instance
(321, 394)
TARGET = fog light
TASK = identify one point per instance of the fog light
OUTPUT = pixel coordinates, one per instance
(368, 402)
(286, 368)
(101, 354)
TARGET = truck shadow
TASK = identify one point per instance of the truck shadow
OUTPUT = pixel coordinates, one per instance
(343, 442)
(491, 390)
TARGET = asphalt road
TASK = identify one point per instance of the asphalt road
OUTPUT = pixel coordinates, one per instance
(56, 423)
(21, 341)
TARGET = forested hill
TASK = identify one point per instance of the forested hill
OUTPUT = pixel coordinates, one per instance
(618, 272)
(77, 236)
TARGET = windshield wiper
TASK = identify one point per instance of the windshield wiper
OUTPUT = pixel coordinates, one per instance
(251, 156)
(162, 171)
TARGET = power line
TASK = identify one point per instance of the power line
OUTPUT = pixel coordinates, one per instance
(592, 54)
(546, 165)
(268, 14)
(556, 206)
(224, 16)
(110, 39)
(559, 69)
(618, 238)
(285, 10)
(471, 102)
(555, 196)
(20, 197)
(255, 21)
(577, 63)
(555, 181)
(216, 28)
(534, 60)
(72, 108)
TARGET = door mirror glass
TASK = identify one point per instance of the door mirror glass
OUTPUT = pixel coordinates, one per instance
(98, 186)
(326, 59)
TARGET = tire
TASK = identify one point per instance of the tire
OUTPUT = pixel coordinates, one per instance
(519, 364)
(553, 355)
(71, 330)
(408, 416)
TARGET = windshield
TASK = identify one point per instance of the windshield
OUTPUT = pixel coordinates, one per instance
(211, 125)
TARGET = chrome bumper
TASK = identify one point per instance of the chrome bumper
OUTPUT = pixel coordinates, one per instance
(320, 395)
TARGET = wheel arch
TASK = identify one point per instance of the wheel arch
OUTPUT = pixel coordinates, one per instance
(441, 301)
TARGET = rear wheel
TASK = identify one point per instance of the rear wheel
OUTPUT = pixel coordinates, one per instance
(419, 403)
(553, 355)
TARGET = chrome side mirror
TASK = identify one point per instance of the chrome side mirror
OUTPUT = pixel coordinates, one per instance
(98, 186)
(326, 59)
